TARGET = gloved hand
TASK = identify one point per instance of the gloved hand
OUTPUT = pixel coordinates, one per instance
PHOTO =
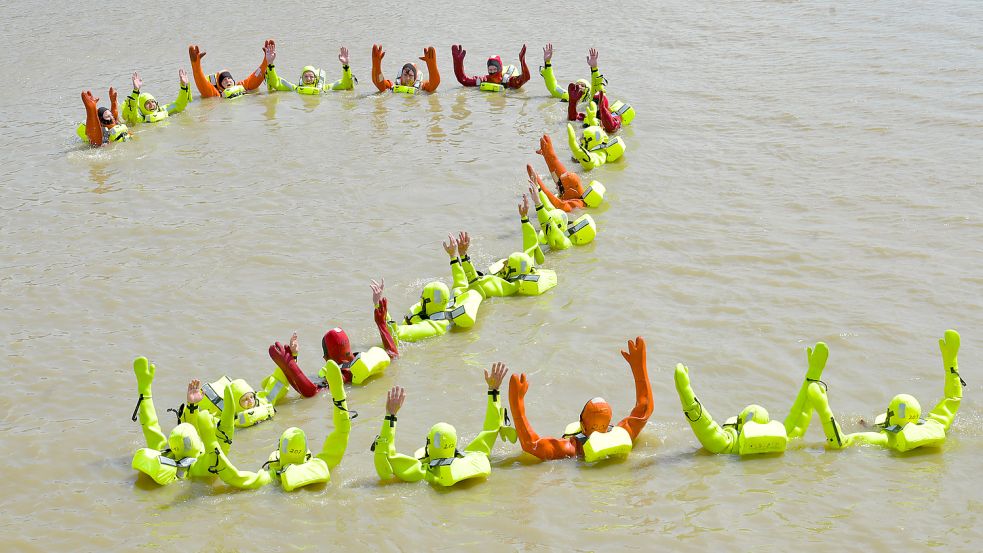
(280, 354)
(429, 55)
(195, 53)
(817, 361)
(636, 354)
(142, 367)
(686, 396)
(457, 53)
(88, 99)
(949, 346)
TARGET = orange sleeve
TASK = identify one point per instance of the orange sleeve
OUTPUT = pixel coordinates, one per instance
(257, 78)
(381, 83)
(549, 155)
(93, 130)
(639, 416)
(205, 88)
(546, 449)
(557, 202)
(433, 74)
(114, 108)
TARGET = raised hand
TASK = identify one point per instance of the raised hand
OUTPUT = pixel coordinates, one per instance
(195, 53)
(378, 52)
(458, 52)
(534, 191)
(137, 81)
(522, 53)
(269, 48)
(294, 344)
(636, 353)
(343, 56)
(518, 386)
(429, 54)
(395, 399)
(112, 95)
(949, 346)
(592, 58)
(195, 394)
(182, 76)
(377, 289)
(548, 53)
(817, 361)
(497, 375)
(450, 246)
(463, 243)
(88, 99)
(686, 395)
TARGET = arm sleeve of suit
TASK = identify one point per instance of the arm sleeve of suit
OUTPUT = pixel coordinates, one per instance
(337, 441)
(519, 80)
(711, 435)
(205, 88)
(639, 416)
(276, 83)
(346, 82)
(255, 78)
(433, 76)
(485, 440)
(545, 448)
(554, 90)
(378, 80)
(183, 99)
(388, 463)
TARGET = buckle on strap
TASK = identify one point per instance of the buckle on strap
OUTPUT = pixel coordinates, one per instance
(212, 396)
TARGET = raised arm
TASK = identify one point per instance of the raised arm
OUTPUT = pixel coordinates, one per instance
(945, 411)
(494, 415)
(380, 82)
(347, 82)
(388, 463)
(257, 77)
(285, 360)
(547, 72)
(183, 95)
(545, 448)
(114, 104)
(145, 411)
(635, 421)
(800, 414)
(519, 80)
(337, 441)
(433, 74)
(273, 80)
(205, 88)
(458, 53)
(714, 438)
(93, 127)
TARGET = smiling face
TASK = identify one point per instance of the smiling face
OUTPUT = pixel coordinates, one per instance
(247, 401)
(493, 69)
(150, 105)
(227, 82)
(308, 77)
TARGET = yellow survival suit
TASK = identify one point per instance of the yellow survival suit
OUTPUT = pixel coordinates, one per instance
(135, 106)
(752, 431)
(440, 462)
(193, 448)
(293, 464)
(902, 428)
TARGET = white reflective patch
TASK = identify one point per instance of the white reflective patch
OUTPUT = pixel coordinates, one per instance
(187, 443)
(438, 296)
(901, 410)
(436, 439)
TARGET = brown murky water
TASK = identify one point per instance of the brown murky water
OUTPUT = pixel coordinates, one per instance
(799, 171)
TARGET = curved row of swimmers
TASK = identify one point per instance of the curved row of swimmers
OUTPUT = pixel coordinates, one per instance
(200, 443)
(199, 446)
(595, 146)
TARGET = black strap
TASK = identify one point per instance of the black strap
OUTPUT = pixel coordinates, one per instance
(391, 419)
(836, 432)
(494, 393)
(823, 384)
(375, 441)
(214, 468)
(455, 260)
(686, 413)
(508, 421)
(339, 403)
(465, 258)
(140, 400)
(178, 412)
(225, 437)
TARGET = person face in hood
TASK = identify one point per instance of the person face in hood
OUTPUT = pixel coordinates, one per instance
(150, 105)
(308, 77)
(407, 77)
(225, 80)
(106, 117)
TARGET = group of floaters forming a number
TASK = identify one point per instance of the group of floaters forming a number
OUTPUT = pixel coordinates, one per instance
(199, 445)
(594, 147)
